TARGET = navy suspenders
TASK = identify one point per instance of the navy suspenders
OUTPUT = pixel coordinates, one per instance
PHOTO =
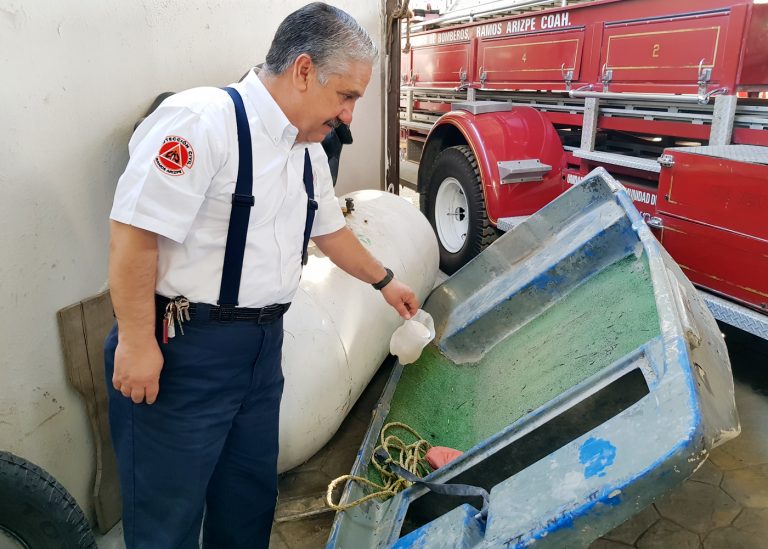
(243, 201)
(311, 205)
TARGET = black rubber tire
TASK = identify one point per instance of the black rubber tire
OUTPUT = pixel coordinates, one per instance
(37, 510)
(459, 162)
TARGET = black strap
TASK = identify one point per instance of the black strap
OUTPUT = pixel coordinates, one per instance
(311, 205)
(442, 489)
(204, 311)
(242, 202)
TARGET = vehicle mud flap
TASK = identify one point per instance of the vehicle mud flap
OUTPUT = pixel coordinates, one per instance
(38, 511)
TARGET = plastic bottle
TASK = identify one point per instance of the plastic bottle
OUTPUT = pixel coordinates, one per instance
(410, 339)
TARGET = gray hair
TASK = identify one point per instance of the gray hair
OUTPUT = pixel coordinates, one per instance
(331, 37)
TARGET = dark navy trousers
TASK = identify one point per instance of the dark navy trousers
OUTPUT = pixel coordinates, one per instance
(208, 444)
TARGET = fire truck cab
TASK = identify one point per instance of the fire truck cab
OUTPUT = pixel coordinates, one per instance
(505, 108)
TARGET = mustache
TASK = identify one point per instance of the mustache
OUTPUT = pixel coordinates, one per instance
(334, 123)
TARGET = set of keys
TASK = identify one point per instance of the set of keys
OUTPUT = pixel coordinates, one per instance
(177, 311)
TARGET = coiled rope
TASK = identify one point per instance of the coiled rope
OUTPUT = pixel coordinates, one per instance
(399, 13)
(410, 457)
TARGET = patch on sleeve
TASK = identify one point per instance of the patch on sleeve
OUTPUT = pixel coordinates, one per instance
(175, 154)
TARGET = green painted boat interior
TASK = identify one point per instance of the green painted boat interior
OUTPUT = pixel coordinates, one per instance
(598, 322)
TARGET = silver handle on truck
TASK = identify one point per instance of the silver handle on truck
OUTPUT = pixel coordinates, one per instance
(666, 97)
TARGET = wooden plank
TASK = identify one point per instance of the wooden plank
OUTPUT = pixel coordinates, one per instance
(83, 328)
(73, 344)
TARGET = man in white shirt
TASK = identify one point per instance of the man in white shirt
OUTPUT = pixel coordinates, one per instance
(209, 230)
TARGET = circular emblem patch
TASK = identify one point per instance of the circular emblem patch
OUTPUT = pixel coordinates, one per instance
(175, 154)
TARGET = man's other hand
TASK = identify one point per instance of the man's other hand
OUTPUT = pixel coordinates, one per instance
(137, 370)
(401, 298)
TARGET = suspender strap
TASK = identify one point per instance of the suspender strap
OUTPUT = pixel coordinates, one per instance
(311, 205)
(242, 202)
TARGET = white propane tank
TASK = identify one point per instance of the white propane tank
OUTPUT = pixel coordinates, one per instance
(337, 330)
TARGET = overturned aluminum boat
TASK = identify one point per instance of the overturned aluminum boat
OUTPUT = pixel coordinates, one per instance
(577, 370)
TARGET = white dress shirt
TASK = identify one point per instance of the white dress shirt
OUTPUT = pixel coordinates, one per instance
(179, 183)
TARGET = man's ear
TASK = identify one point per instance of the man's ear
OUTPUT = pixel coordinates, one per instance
(302, 71)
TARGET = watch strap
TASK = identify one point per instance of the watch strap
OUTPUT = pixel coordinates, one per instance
(384, 281)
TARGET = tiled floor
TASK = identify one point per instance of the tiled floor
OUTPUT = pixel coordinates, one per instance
(303, 490)
(723, 506)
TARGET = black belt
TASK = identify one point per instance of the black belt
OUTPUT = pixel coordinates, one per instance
(261, 315)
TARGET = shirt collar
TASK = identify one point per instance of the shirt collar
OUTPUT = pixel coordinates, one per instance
(275, 122)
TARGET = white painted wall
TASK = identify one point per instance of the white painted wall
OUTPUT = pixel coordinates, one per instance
(75, 77)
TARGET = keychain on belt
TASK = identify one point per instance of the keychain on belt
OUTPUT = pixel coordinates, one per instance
(177, 310)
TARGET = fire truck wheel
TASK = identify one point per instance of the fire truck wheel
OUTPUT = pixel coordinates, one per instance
(456, 209)
(36, 511)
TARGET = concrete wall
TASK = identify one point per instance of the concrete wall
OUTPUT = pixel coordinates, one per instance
(76, 76)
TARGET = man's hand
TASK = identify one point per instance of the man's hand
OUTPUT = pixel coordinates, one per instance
(132, 271)
(137, 370)
(401, 298)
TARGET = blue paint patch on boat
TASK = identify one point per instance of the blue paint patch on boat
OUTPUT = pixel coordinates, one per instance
(563, 521)
(596, 454)
(548, 281)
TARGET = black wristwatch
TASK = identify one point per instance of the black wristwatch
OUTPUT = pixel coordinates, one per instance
(384, 281)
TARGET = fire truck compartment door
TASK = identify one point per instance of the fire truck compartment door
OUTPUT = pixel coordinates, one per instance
(538, 58)
(719, 260)
(665, 51)
(440, 66)
(724, 187)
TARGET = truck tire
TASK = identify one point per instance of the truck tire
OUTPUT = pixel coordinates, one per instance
(455, 208)
(36, 511)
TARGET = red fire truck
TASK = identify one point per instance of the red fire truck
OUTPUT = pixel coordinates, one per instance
(506, 108)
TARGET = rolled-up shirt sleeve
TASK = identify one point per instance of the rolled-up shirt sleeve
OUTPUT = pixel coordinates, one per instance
(173, 158)
(328, 218)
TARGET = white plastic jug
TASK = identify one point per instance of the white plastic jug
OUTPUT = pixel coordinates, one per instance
(409, 339)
